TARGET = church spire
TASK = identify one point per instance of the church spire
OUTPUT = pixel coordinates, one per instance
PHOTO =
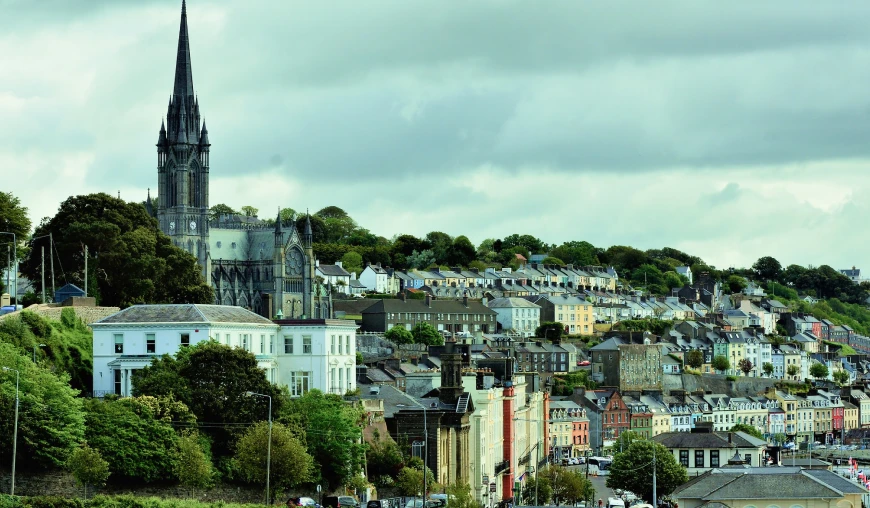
(183, 69)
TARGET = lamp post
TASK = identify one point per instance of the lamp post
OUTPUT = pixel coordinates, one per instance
(269, 446)
(15, 431)
(15, 262)
(34, 351)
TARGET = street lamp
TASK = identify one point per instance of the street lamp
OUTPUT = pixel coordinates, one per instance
(14, 432)
(15, 259)
(269, 446)
(34, 351)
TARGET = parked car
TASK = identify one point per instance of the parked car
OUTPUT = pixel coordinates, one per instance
(305, 501)
(339, 502)
(348, 501)
(584, 363)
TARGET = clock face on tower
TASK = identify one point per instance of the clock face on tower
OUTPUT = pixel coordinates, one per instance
(172, 225)
(193, 225)
(294, 263)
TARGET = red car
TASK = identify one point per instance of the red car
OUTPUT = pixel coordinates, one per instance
(584, 363)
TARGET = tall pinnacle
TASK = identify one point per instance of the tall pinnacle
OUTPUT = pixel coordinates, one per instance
(183, 70)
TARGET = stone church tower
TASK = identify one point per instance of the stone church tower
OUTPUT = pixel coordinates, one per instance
(182, 162)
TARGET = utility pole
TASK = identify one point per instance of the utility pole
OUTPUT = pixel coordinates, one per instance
(42, 271)
(655, 499)
(8, 268)
(51, 259)
(86, 270)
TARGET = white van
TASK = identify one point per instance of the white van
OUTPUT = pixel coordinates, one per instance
(615, 502)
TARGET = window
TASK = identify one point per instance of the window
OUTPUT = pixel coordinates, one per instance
(245, 341)
(306, 344)
(714, 458)
(699, 458)
(332, 345)
(340, 380)
(271, 344)
(119, 343)
(262, 344)
(684, 458)
(150, 343)
(300, 383)
(340, 345)
(288, 344)
(228, 339)
(117, 381)
(417, 448)
(332, 380)
(347, 344)
(185, 339)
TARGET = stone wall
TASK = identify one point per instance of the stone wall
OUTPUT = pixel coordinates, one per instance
(715, 383)
(88, 315)
(60, 483)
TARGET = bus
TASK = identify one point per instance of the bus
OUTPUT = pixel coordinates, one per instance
(599, 465)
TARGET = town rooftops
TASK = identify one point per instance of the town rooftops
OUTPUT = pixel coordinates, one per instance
(502, 303)
(333, 270)
(708, 440)
(451, 306)
(726, 484)
(184, 313)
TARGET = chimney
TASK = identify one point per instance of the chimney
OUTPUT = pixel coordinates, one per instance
(402, 296)
(428, 300)
(338, 264)
(465, 299)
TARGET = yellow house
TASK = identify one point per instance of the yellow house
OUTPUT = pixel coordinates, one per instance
(822, 414)
(765, 487)
(850, 416)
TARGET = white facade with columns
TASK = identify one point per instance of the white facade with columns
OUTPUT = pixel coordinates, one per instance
(302, 354)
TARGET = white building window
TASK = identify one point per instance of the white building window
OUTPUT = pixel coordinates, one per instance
(340, 345)
(300, 383)
(185, 339)
(332, 345)
(119, 343)
(306, 344)
(245, 341)
(288, 344)
(150, 343)
(262, 344)
(271, 344)
(347, 343)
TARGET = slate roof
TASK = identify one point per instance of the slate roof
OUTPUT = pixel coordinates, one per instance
(766, 483)
(708, 440)
(184, 313)
(501, 303)
(444, 306)
(333, 270)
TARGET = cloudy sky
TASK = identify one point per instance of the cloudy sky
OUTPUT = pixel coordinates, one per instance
(728, 131)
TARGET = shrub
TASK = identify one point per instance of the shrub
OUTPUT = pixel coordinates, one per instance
(731, 378)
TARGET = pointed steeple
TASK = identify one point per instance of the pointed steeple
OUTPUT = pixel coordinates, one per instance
(183, 69)
(279, 228)
(203, 137)
(148, 205)
(161, 140)
(308, 236)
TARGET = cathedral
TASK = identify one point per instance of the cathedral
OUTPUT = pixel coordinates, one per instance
(268, 270)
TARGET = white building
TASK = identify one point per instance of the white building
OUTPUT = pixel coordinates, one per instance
(517, 314)
(302, 354)
(374, 278)
(335, 275)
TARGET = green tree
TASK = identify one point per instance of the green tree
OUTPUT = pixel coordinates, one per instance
(841, 377)
(631, 470)
(721, 363)
(13, 219)
(420, 259)
(333, 434)
(674, 280)
(819, 370)
(550, 260)
(768, 368)
(792, 370)
(130, 260)
(352, 262)
(540, 496)
(331, 212)
(291, 464)
(441, 244)
(424, 333)
(695, 358)
(550, 330)
(742, 427)
(577, 253)
(623, 442)
(528, 242)
(88, 467)
(398, 334)
(462, 251)
(767, 268)
(193, 467)
(133, 442)
(383, 459)
(460, 496)
(568, 486)
(250, 211)
(212, 379)
(410, 481)
(220, 209)
(50, 417)
(736, 283)
(745, 365)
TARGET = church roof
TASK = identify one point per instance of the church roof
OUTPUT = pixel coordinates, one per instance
(183, 313)
(203, 138)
